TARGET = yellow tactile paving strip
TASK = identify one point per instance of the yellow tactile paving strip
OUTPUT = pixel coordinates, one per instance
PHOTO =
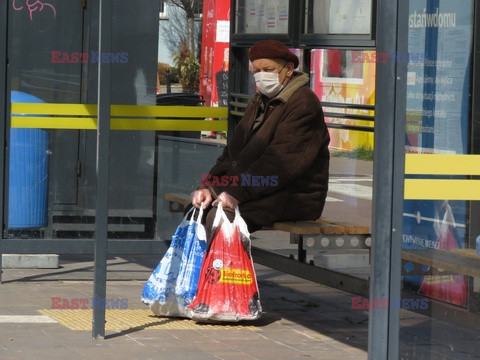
(132, 319)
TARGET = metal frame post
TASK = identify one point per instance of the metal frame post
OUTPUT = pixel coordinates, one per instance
(3, 106)
(102, 168)
(383, 332)
(474, 209)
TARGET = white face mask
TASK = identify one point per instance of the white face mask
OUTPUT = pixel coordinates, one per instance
(268, 83)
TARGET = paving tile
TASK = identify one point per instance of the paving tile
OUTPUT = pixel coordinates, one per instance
(301, 320)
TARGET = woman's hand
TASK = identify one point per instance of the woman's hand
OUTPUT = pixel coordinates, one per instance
(201, 196)
(226, 200)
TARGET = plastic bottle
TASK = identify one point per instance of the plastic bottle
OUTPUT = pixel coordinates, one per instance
(478, 245)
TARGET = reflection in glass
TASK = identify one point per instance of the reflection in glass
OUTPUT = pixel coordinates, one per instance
(438, 115)
(43, 162)
(62, 69)
(344, 77)
(336, 77)
(338, 17)
(437, 122)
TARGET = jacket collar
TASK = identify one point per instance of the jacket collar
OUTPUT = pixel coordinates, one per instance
(298, 80)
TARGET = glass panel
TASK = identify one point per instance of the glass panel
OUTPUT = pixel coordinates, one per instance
(181, 163)
(262, 17)
(52, 172)
(132, 152)
(180, 34)
(339, 78)
(43, 68)
(437, 246)
(338, 17)
(181, 157)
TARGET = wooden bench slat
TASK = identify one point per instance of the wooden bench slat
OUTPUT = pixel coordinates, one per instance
(350, 229)
(180, 198)
(472, 253)
(448, 260)
(321, 226)
(312, 227)
(309, 227)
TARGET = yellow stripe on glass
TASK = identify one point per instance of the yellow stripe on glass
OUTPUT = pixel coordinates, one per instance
(123, 117)
(53, 109)
(441, 189)
(48, 122)
(169, 111)
(168, 124)
(443, 165)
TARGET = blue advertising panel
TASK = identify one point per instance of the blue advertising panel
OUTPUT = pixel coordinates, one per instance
(438, 112)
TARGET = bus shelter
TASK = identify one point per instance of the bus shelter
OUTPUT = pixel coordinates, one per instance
(397, 77)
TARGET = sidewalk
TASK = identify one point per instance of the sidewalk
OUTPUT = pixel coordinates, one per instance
(301, 319)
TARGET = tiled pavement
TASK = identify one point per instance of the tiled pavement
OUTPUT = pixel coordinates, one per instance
(301, 320)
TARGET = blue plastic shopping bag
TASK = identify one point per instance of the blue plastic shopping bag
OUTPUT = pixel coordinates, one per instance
(173, 284)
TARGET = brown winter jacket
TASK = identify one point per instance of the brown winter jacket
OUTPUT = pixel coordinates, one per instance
(290, 144)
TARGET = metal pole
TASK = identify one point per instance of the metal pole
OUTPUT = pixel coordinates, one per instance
(383, 332)
(3, 103)
(102, 167)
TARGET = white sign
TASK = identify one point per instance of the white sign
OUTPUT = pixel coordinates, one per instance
(350, 17)
(223, 31)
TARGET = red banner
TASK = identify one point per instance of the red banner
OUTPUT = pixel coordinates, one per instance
(214, 54)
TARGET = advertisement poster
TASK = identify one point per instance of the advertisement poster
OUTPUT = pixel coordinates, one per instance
(438, 90)
(215, 52)
(347, 77)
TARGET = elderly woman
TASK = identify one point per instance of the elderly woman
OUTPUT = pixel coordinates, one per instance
(275, 165)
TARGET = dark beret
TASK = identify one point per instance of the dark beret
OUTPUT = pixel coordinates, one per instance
(271, 49)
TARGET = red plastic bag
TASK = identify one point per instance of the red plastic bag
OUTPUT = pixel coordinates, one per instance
(227, 288)
(451, 288)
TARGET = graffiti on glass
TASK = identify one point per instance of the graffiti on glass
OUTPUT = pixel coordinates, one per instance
(36, 9)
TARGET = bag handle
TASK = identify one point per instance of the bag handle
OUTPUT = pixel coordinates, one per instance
(192, 212)
(219, 215)
(237, 222)
(200, 214)
(240, 222)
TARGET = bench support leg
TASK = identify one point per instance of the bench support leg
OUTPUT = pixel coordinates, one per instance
(298, 239)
